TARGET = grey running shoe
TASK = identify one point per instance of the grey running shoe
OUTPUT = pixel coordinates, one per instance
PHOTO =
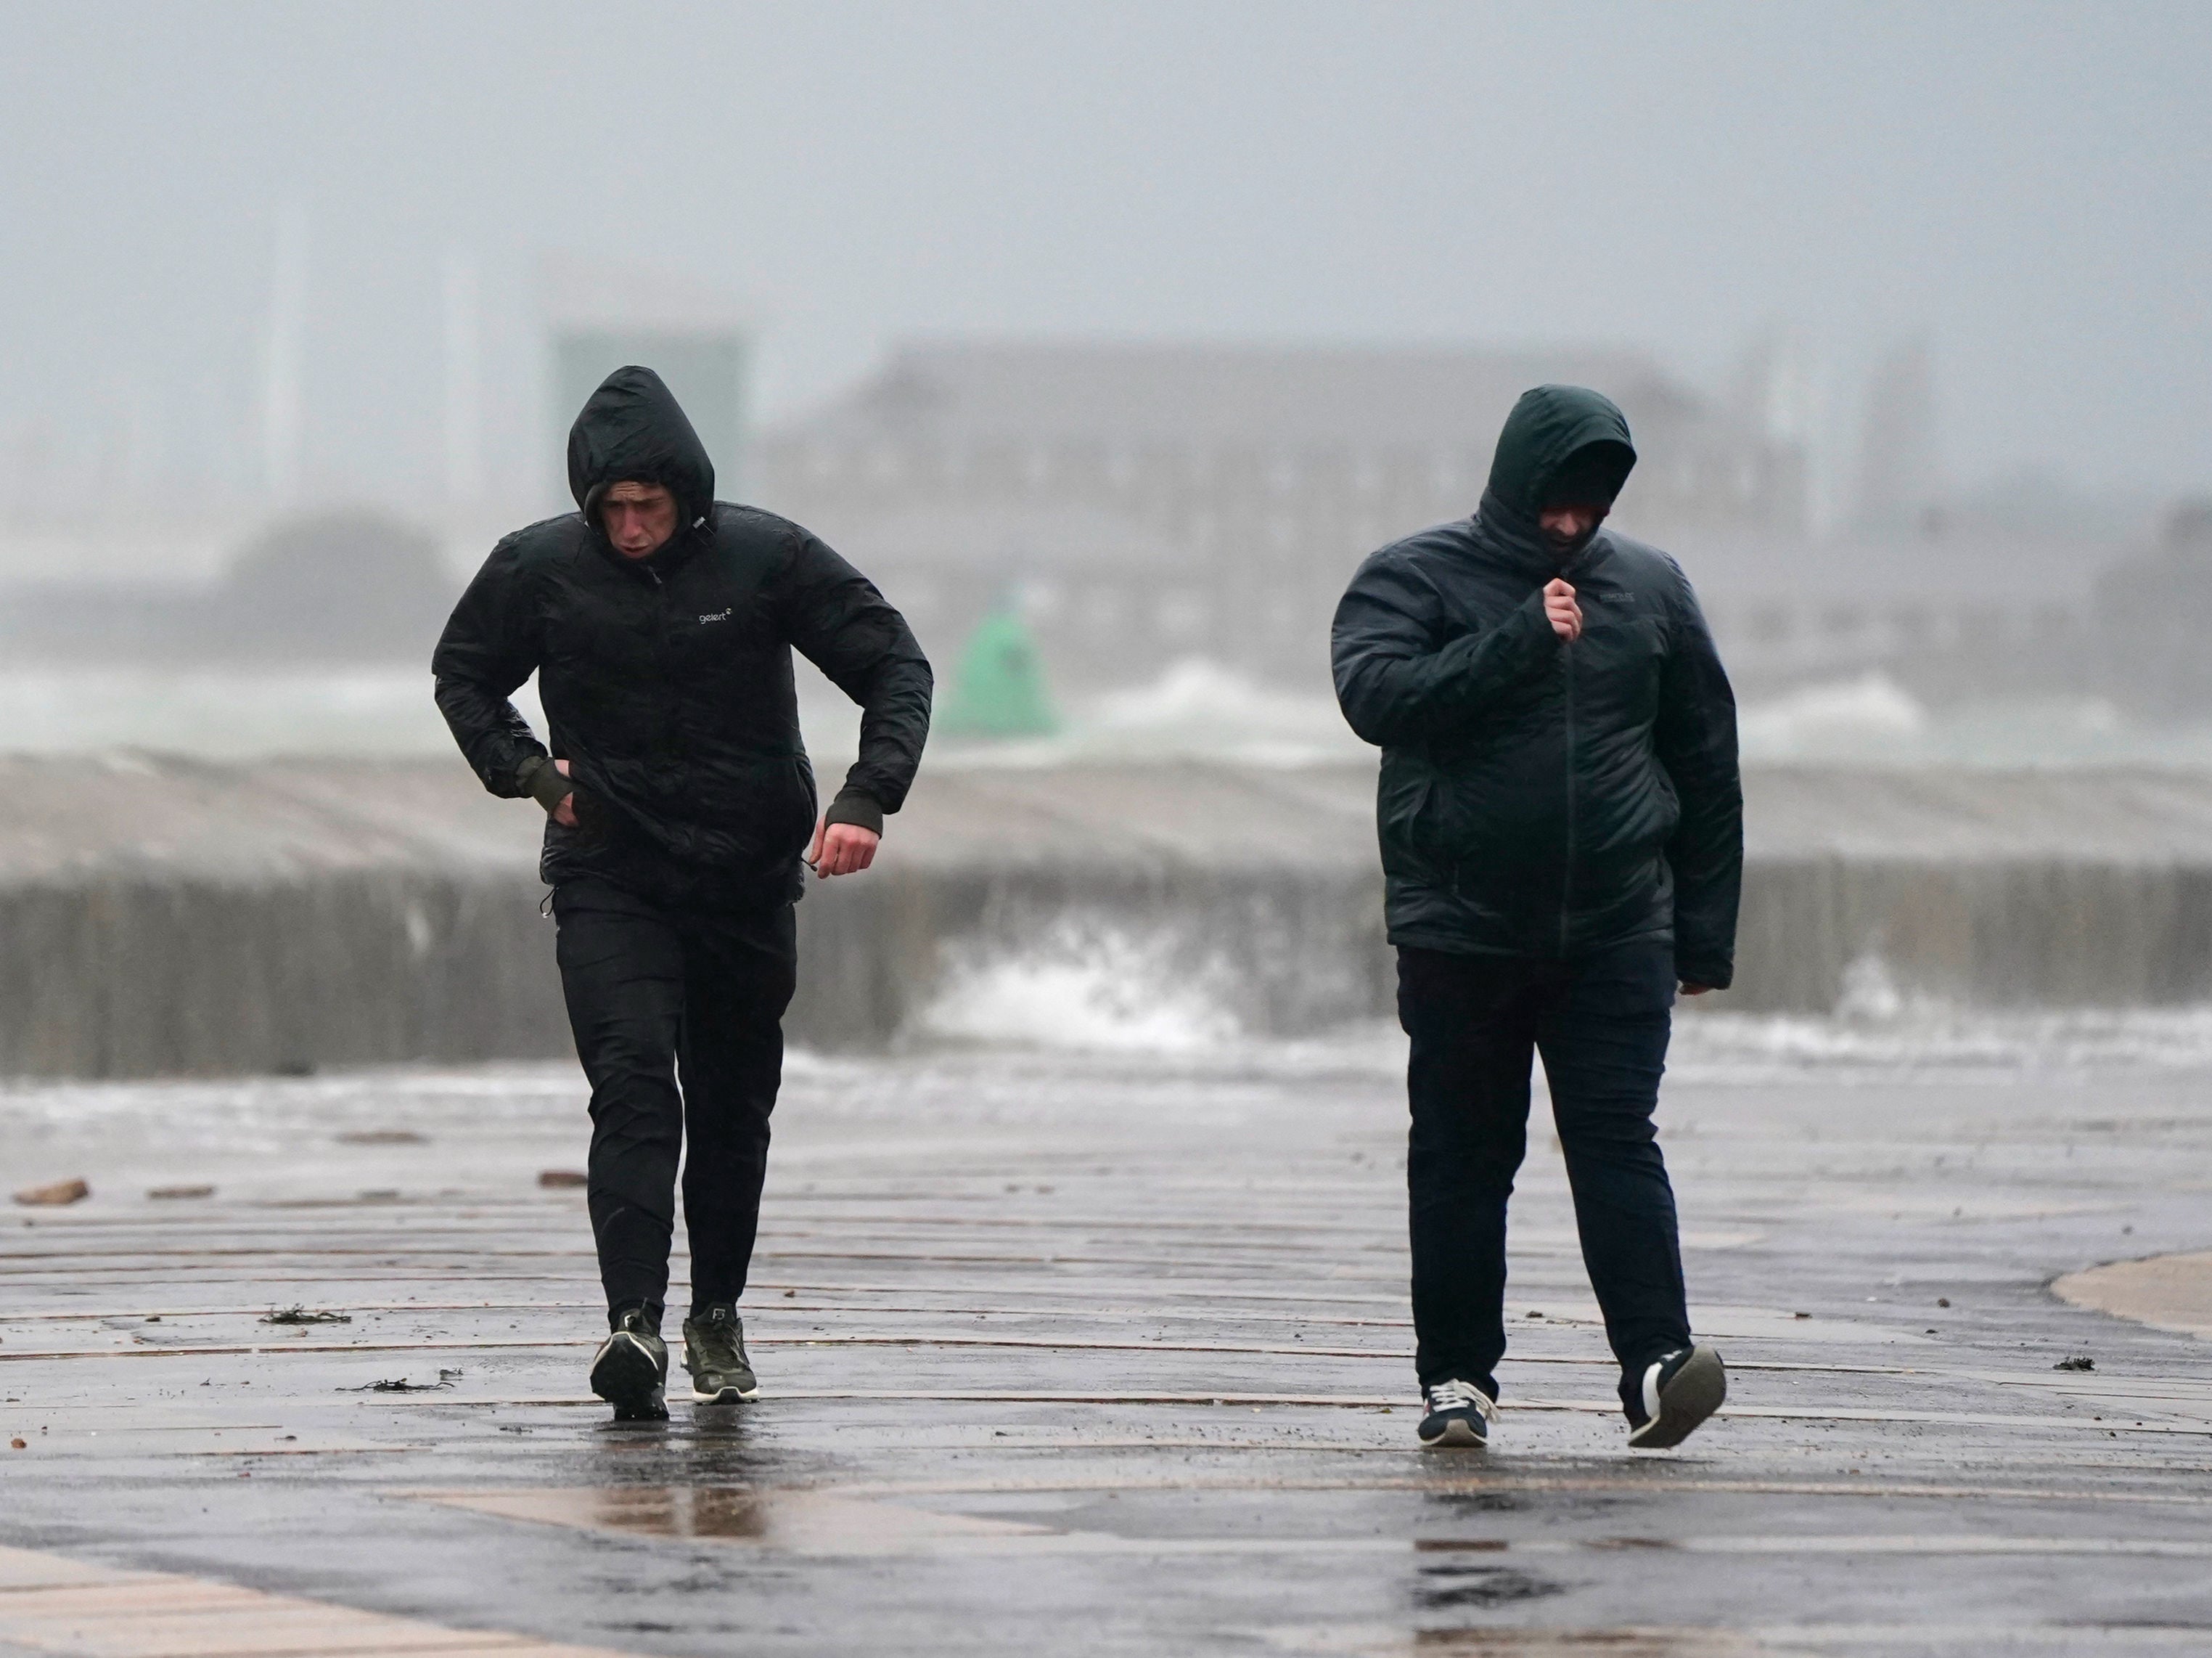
(631, 1369)
(714, 1354)
(1679, 1391)
(1459, 1417)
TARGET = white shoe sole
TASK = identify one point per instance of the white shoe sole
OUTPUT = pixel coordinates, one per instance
(723, 1395)
(1691, 1394)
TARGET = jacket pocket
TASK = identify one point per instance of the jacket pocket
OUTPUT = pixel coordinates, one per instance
(1407, 810)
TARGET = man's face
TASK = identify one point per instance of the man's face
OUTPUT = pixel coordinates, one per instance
(1568, 528)
(637, 518)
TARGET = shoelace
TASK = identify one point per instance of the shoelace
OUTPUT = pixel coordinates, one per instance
(720, 1340)
(1456, 1395)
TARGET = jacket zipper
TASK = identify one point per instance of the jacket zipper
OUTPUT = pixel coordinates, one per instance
(665, 650)
(1567, 880)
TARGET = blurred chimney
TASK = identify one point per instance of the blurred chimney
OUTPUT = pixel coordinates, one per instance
(283, 348)
(464, 360)
(1898, 479)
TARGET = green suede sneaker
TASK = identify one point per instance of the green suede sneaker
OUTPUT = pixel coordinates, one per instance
(631, 1369)
(714, 1354)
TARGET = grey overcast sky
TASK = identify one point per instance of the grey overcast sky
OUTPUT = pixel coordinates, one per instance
(2031, 185)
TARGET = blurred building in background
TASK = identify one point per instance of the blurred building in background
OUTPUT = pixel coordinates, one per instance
(333, 587)
(1132, 506)
(602, 317)
(1149, 501)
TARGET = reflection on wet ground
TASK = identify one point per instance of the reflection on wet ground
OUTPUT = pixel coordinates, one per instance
(802, 1523)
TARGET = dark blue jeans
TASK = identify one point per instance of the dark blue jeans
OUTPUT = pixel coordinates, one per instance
(1601, 1023)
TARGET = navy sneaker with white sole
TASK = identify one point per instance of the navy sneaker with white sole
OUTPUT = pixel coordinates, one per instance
(1458, 1417)
(1677, 1391)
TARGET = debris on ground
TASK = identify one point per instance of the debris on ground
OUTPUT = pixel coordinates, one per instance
(304, 1315)
(383, 1136)
(167, 1192)
(54, 1196)
(561, 1177)
(2079, 1362)
(401, 1385)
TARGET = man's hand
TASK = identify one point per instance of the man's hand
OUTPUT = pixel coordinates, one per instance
(1561, 610)
(841, 849)
(1695, 989)
(565, 813)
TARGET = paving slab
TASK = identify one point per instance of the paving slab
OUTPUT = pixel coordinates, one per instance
(1100, 1353)
(2174, 1292)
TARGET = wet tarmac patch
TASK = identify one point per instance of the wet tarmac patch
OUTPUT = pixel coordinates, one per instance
(1458, 1584)
(1366, 1643)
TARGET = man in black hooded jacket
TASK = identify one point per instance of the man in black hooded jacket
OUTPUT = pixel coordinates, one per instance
(1562, 831)
(661, 623)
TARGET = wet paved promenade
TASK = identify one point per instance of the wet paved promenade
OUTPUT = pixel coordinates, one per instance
(1068, 1355)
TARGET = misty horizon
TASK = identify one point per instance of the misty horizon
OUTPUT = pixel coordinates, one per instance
(2025, 193)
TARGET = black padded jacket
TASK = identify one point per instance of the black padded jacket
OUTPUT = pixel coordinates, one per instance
(667, 681)
(1537, 798)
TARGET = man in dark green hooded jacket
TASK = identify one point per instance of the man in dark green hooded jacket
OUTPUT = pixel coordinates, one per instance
(1562, 831)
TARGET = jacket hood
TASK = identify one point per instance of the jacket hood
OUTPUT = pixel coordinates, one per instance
(1561, 434)
(632, 429)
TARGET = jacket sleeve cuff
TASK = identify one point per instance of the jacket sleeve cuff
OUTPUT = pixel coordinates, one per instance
(540, 779)
(858, 807)
(1714, 975)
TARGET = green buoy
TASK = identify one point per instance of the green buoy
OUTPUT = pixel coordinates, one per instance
(997, 689)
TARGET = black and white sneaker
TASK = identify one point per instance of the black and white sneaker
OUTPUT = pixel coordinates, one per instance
(1459, 1417)
(714, 1354)
(1679, 1390)
(631, 1369)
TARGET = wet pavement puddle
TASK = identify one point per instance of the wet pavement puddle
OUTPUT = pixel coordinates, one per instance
(822, 1523)
(801, 1522)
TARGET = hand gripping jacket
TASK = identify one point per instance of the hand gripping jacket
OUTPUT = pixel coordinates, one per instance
(1539, 798)
(667, 681)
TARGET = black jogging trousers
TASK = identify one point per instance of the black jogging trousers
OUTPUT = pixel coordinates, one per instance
(677, 1017)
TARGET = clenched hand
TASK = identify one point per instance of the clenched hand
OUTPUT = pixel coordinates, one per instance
(565, 813)
(841, 849)
(1561, 610)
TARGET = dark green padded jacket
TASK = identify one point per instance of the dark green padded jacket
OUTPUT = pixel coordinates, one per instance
(1538, 798)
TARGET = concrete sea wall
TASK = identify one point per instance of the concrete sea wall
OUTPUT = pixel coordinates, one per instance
(165, 917)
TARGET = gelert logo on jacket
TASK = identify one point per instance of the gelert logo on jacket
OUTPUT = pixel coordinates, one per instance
(720, 615)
